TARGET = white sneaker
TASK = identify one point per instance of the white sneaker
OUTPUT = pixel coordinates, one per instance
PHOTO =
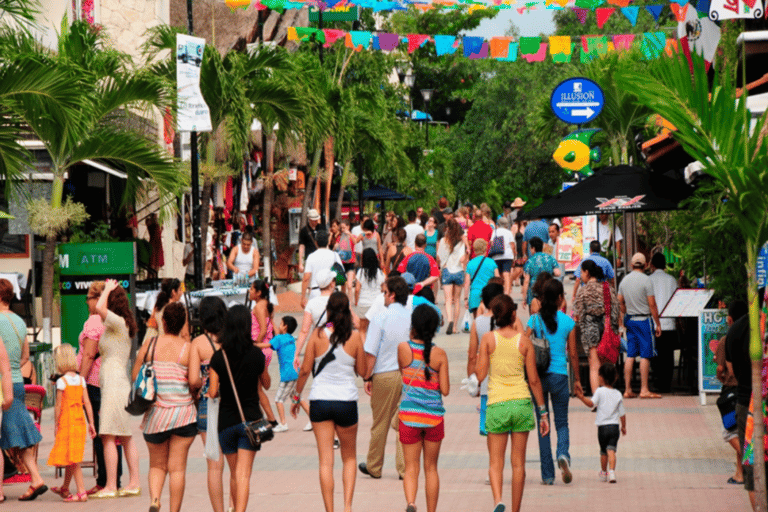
(611, 476)
(281, 427)
(603, 476)
(308, 427)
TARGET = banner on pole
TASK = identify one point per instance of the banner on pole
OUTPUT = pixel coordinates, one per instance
(193, 113)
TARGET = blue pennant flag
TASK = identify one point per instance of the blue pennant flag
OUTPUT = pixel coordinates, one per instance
(655, 10)
(631, 13)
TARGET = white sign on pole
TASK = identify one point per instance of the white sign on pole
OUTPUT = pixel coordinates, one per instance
(193, 113)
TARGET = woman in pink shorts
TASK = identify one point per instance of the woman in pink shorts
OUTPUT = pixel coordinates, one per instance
(425, 382)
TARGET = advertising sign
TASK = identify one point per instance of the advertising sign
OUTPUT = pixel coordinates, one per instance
(762, 266)
(712, 327)
(80, 265)
(193, 113)
(577, 100)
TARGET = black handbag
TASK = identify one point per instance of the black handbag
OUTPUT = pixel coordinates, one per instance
(257, 431)
(541, 350)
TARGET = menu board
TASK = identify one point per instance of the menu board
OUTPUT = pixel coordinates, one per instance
(687, 303)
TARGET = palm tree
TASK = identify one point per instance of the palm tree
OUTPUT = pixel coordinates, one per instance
(103, 88)
(715, 130)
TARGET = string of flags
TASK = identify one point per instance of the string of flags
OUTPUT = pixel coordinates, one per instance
(603, 9)
(561, 49)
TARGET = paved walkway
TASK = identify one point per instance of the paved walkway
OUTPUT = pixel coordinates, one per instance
(673, 458)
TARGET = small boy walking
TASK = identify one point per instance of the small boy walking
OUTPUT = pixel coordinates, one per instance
(284, 344)
(609, 404)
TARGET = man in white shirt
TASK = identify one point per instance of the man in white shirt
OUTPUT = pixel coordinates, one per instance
(605, 236)
(412, 230)
(382, 377)
(664, 286)
(322, 258)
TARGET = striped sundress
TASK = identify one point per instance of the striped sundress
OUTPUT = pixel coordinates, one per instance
(174, 406)
(421, 405)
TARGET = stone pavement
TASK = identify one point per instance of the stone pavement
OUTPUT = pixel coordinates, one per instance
(673, 459)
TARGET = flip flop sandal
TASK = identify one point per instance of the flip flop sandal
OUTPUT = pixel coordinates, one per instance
(64, 493)
(33, 492)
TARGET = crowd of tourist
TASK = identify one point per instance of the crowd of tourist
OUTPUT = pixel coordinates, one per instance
(369, 310)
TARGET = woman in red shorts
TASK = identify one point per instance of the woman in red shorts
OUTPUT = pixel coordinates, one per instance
(425, 382)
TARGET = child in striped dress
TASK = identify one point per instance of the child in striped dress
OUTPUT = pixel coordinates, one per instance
(425, 382)
(71, 426)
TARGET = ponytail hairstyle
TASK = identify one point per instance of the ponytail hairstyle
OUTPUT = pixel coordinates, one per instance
(424, 322)
(490, 292)
(553, 290)
(262, 286)
(593, 269)
(503, 309)
(340, 316)
(167, 287)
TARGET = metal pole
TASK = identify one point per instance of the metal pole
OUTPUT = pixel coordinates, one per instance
(196, 235)
(426, 124)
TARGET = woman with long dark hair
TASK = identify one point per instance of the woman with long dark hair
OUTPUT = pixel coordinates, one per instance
(335, 357)
(367, 286)
(248, 373)
(170, 291)
(452, 257)
(262, 331)
(558, 328)
(589, 312)
(506, 356)
(425, 382)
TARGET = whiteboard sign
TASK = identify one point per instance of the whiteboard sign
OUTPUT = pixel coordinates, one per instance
(687, 303)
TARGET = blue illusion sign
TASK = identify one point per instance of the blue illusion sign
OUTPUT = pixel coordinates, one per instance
(577, 100)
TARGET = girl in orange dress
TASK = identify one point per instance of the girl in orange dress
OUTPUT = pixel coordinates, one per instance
(71, 397)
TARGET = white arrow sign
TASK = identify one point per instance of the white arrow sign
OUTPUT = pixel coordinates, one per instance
(587, 112)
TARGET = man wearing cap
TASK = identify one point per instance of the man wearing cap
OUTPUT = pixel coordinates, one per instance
(423, 266)
(382, 377)
(664, 286)
(307, 234)
(321, 259)
(641, 321)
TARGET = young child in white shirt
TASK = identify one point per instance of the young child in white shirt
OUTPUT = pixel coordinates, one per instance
(610, 414)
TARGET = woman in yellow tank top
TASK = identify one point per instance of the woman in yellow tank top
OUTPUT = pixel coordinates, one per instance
(506, 355)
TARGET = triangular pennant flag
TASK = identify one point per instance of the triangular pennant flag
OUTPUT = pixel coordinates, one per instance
(653, 44)
(237, 4)
(472, 45)
(603, 13)
(416, 41)
(597, 45)
(581, 14)
(482, 54)
(619, 3)
(679, 10)
(305, 34)
(499, 47)
(529, 45)
(292, 34)
(631, 13)
(539, 56)
(562, 58)
(559, 45)
(359, 39)
(623, 41)
(388, 42)
(446, 45)
(702, 6)
(655, 11)
(589, 4)
(511, 53)
(332, 35)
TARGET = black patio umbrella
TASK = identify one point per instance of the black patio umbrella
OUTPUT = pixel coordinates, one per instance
(381, 193)
(616, 189)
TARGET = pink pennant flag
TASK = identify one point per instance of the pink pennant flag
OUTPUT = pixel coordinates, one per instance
(332, 35)
(623, 41)
(603, 13)
(581, 13)
(679, 10)
(415, 41)
(538, 56)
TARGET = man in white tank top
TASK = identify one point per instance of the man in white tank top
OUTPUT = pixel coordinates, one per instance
(244, 258)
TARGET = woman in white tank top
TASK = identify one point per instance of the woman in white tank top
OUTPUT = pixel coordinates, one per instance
(335, 357)
(244, 258)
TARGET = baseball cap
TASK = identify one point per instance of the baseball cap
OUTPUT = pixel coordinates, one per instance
(325, 277)
(638, 259)
(410, 279)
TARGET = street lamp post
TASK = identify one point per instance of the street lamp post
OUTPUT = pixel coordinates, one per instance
(427, 95)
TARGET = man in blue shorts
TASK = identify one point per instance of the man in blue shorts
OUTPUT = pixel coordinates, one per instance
(641, 321)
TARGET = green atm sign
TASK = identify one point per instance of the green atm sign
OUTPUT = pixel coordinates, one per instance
(97, 259)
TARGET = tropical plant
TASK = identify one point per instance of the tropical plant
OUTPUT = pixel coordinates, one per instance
(102, 92)
(714, 128)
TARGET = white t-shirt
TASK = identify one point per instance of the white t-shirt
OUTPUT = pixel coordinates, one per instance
(317, 261)
(378, 306)
(604, 233)
(411, 232)
(369, 290)
(451, 261)
(610, 406)
(509, 240)
(357, 231)
(69, 379)
(316, 307)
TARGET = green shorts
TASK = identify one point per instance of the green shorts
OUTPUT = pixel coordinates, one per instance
(510, 416)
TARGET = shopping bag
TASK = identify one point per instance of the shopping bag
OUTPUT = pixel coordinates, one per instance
(212, 449)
